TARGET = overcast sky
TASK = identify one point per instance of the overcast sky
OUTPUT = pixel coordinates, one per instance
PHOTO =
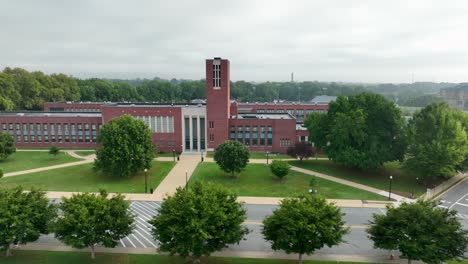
(330, 40)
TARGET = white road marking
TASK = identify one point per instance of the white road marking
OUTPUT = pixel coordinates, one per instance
(146, 239)
(443, 206)
(442, 201)
(144, 228)
(139, 241)
(462, 204)
(458, 200)
(130, 241)
(145, 210)
(123, 244)
(382, 211)
(142, 215)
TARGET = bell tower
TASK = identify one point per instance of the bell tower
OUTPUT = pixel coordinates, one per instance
(217, 101)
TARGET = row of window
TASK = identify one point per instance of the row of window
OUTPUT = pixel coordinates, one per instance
(216, 74)
(158, 124)
(52, 132)
(254, 137)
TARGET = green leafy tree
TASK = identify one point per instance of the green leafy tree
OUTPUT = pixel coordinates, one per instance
(126, 147)
(280, 168)
(1, 173)
(438, 141)
(232, 157)
(363, 131)
(301, 150)
(303, 225)
(420, 231)
(90, 219)
(24, 216)
(316, 124)
(54, 150)
(199, 221)
(7, 145)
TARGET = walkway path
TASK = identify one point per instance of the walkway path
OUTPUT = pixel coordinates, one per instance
(178, 176)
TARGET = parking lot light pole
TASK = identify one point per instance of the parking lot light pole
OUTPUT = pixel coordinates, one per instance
(268, 152)
(414, 187)
(186, 180)
(390, 187)
(173, 154)
(146, 180)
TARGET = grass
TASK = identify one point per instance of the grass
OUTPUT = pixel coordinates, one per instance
(25, 160)
(403, 183)
(166, 154)
(257, 180)
(58, 257)
(85, 153)
(82, 178)
(257, 155)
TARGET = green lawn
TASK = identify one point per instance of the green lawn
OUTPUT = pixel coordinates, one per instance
(82, 178)
(25, 160)
(57, 257)
(257, 155)
(402, 183)
(85, 153)
(257, 180)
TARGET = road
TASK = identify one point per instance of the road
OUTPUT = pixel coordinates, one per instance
(356, 243)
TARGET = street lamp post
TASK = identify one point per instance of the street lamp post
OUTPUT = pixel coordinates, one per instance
(390, 187)
(186, 180)
(414, 187)
(201, 156)
(146, 180)
(268, 152)
(173, 154)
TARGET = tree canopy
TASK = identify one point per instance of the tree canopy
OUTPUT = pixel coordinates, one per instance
(24, 216)
(231, 156)
(7, 145)
(90, 219)
(420, 231)
(198, 221)
(437, 141)
(280, 168)
(303, 225)
(301, 150)
(363, 131)
(126, 147)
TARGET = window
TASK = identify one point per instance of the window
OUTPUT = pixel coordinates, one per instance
(262, 136)
(4, 127)
(247, 135)
(300, 115)
(216, 74)
(87, 133)
(280, 111)
(270, 136)
(270, 110)
(260, 110)
(255, 135)
(31, 130)
(211, 137)
(285, 142)
(211, 124)
(67, 133)
(232, 133)
(10, 128)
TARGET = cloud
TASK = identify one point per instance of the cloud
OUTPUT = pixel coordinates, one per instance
(338, 40)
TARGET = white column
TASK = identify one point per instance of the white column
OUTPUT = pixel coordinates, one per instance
(198, 133)
(191, 132)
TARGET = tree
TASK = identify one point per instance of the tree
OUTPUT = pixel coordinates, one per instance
(232, 157)
(420, 231)
(199, 221)
(316, 124)
(301, 150)
(363, 131)
(90, 219)
(54, 150)
(24, 216)
(280, 168)
(7, 145)
(304, 224)
(438, 141)
(1, 173)
(126, 147)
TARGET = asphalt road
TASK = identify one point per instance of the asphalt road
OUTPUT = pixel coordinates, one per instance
(457, 199)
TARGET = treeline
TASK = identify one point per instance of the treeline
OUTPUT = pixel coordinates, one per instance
(20, 89)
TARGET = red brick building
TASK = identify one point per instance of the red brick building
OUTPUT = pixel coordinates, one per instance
(176, 127)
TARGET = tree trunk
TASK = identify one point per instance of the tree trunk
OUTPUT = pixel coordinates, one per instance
(300, 258)
(409, 260)
(93, 252)
(8, 251)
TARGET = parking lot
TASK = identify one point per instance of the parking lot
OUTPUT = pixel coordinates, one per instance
(457, 199)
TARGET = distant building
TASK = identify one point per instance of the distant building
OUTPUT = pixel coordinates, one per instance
(193, 127)
(457, 96)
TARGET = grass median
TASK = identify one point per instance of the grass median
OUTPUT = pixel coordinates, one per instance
(82, 178)
(403, 183)
(26, 160)
(257, 180)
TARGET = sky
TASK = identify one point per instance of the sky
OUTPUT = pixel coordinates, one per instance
(372, 41)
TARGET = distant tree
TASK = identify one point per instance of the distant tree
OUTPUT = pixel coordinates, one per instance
(303, 225)
(420, 231)
(363, 131)
(7, 145)
(438, 141)
(90, 219)
(199, 221)
(280, 168)
(300, 150)
(54, 150)
(232, 157)
(126, 147)
(24, 216)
